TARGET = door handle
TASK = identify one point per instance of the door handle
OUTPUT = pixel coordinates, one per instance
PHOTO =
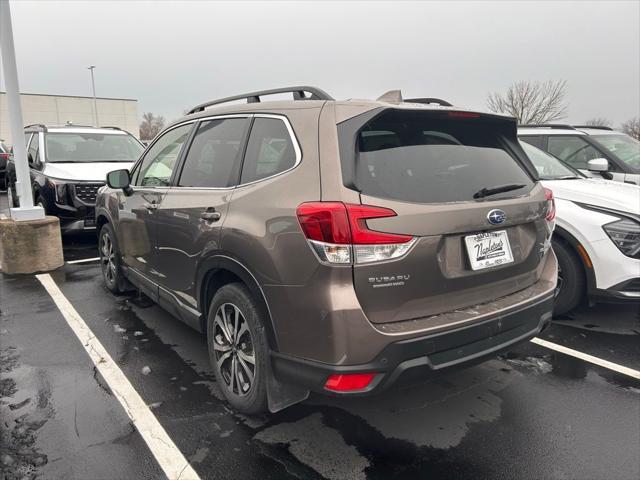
(210, 215)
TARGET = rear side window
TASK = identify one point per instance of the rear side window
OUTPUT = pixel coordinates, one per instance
(537, 141)
(270, 150)
(214, 154)
(426, 158)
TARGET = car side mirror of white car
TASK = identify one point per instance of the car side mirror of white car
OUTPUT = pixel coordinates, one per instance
(598, 165)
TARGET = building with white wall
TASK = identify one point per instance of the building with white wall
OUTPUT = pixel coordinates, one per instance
(60, 109)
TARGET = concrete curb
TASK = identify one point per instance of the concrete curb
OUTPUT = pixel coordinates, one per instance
(30, 246)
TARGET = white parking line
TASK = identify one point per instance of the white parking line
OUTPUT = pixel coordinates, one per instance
(85, 260)
(170, 459)
(588, 358)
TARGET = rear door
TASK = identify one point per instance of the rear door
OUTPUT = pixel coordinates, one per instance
(427, 167)
(194, 209)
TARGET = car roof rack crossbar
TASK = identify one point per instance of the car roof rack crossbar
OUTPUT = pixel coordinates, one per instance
(597, 127)
(254, 97)
(429, 100)
(558, 126)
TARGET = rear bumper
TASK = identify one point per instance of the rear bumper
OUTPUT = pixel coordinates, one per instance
(419, 358)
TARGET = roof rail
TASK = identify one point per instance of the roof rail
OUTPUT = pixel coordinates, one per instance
(597, 127)
(558, 126)
(254, 97)
(428, 100)
(37, 125)
(111, 127)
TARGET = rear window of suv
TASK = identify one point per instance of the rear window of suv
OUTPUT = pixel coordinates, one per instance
(425, 158)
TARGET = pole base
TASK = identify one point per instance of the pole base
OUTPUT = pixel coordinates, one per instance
(30, 246)
(21, 214)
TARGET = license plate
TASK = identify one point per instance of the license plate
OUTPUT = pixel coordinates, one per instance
(90, 222)
(488, 249)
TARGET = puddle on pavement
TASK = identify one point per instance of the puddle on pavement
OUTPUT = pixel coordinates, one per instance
(24, 408)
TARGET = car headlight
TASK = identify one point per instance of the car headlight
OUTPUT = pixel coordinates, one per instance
(60, 189)
(625, 234)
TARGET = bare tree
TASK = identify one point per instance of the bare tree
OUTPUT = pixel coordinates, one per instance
(151, 125)
(531, 102)
(598, 122)
(632, 128)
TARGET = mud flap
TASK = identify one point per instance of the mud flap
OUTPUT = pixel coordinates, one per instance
(281, 395)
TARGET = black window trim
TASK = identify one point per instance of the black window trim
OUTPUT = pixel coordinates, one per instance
(250, 117)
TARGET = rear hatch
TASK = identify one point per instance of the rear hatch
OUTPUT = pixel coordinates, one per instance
(462, 188)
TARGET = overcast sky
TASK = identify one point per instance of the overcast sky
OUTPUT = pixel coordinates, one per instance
(172, 55)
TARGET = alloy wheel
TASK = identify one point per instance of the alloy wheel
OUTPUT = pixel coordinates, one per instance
(233, 349)
(107, 258)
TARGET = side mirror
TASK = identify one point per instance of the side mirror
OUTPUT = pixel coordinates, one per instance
(120, 179)
(598, 165)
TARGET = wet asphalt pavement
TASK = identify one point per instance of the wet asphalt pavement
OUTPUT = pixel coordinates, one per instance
(532, 413)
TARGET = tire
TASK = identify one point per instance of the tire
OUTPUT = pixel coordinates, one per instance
(228, 351)
(571, 279)
(110, 262)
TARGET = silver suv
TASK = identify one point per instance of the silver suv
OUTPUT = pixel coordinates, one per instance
(334, 246)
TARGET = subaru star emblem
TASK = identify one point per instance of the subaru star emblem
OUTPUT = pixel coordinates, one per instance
(496, 217)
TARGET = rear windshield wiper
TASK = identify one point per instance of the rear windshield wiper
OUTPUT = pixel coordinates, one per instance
(485, 192)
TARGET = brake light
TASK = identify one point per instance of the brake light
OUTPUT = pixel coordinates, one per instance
(5, 156)
(464, 114)
(325, 222)
(336, 229)
(349, 382)
(551, 205)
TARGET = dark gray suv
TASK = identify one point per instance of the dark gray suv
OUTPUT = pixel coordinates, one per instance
(334, 246)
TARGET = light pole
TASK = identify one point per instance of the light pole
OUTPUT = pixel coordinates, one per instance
(95, 101)
(26, 211)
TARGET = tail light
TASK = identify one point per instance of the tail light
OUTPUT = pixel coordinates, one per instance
(551, 205)
(339, 234)
(5, 156)
(349, 382)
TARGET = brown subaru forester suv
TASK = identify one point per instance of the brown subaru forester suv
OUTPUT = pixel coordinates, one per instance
(334, 246)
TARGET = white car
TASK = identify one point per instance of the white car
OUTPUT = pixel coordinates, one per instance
(597, 235)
